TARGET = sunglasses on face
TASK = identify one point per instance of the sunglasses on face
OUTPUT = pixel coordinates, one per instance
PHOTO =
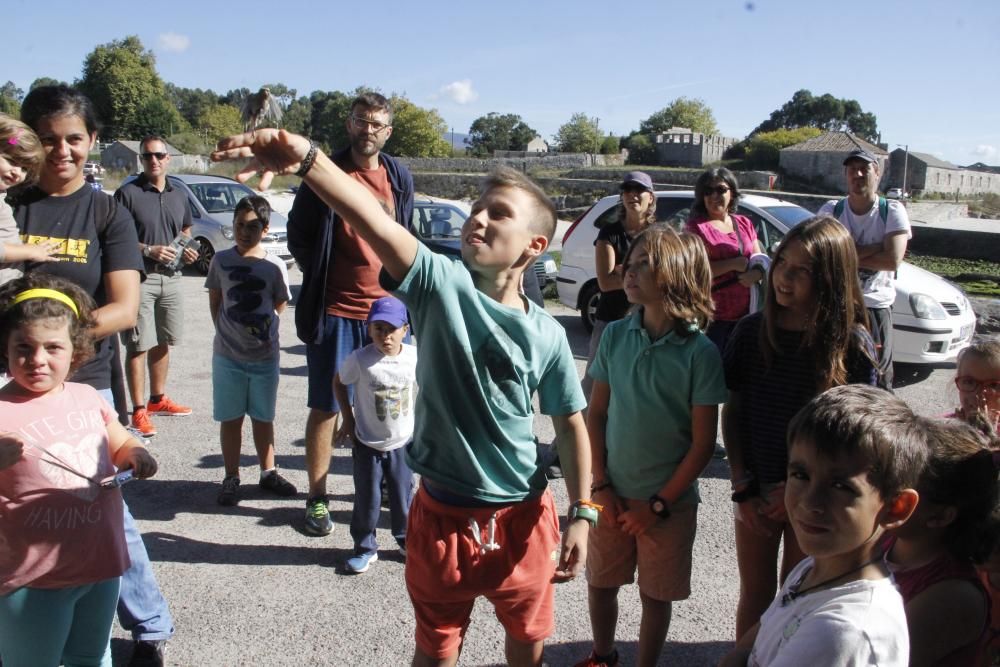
(150, 156)
(968, 383)
(720, 190)
(634, 188)
(364, 124)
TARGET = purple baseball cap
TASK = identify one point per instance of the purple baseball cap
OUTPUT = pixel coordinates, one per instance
(388, 309)
(639, 178)
(860, 154)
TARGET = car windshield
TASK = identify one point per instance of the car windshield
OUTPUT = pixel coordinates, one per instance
(436, 221)
(219, 197)
(789, 216)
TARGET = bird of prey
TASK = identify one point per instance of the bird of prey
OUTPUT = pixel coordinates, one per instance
(259, 108)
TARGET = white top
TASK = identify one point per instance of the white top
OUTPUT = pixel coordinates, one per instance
(858, 623)
(384, 392)
(879, 287)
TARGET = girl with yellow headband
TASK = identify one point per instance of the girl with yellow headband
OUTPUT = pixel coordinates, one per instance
(61, 512)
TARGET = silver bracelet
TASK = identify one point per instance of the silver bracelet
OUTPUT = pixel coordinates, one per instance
(308, 161)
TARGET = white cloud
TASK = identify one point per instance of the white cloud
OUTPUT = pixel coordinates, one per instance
(460, 92)
(985, 151)
(171, 41)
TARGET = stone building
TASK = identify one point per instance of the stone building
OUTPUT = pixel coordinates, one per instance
(926, 174)
(820, 160)
(537, 145)
(681, 147)
(124, 154)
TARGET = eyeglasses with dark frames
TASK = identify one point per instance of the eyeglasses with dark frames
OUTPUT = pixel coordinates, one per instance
(720, 190)
(969, 383)
(149, 156)
(364, 124)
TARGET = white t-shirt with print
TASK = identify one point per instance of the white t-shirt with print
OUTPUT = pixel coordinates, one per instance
(858, 623)
(878, 287)
(384, 392)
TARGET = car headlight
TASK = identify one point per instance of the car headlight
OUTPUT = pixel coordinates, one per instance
(227, 231)
(926, 307)
(550, 267)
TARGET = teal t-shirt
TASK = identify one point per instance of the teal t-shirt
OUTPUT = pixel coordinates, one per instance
(653, 386)
(479, 366)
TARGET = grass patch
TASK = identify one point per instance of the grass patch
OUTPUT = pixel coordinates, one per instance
(976, 277)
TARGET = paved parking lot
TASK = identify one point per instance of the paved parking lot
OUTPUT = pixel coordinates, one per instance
(247, 586)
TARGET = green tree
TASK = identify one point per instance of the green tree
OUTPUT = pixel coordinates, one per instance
(498, 132)
(610, 145)
(825, 112)
(641, 149)
(682, 112)
(762, 149)
(298, 117)
(120, 78)
(10, 99)
(45, 81)
(220, 120)
(159, 116)
(190, 102)
(328, 117)
(417, 132)
(579, 135)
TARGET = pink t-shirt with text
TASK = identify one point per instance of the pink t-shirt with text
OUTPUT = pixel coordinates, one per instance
(58, 530)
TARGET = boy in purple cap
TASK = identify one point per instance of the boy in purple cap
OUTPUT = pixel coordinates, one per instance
(379, 425)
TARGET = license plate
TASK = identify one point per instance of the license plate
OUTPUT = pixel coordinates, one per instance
(279, 250)
(966, 332)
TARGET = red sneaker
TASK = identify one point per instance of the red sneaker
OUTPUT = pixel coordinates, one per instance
(167, 408)
(593, 661)
(142, 423)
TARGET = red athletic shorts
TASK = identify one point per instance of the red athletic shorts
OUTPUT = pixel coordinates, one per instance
(447, 568)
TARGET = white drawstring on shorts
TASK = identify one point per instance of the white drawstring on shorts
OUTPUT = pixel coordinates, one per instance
(490, 544)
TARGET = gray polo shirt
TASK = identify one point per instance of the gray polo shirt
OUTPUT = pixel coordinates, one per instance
(159, 216)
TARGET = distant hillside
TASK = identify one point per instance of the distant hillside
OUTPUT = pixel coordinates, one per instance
(459, 139)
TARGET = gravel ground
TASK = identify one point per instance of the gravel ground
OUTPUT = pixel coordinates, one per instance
(247, 586)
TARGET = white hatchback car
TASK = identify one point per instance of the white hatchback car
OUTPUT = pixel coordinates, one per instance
(931, 318)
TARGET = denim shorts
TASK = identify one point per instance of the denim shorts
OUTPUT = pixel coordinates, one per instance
(341, 336)
(244, 388)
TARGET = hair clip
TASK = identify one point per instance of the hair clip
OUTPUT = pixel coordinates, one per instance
(14, 138)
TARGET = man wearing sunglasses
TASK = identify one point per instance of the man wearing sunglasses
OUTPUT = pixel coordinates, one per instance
(161, 212)
(340, 281)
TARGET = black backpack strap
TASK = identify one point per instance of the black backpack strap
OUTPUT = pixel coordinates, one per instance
(105, 208)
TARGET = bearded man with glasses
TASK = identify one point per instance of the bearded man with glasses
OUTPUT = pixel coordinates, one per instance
(340, 281)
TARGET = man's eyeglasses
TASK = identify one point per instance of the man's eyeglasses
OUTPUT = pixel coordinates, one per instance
(720, 190)
(149, 156)
(364, 124)
(970, 384)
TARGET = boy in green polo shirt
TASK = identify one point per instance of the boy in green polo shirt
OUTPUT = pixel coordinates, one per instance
(652, 419)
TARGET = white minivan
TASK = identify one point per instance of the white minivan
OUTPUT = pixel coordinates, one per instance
(931, 318)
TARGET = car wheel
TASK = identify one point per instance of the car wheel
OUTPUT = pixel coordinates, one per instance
(588, 305)
(205, 254)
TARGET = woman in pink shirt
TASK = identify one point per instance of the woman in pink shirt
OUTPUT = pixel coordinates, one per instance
(730, 240)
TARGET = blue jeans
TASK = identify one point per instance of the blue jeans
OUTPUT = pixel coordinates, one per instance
(142, 610)
(370, 466)
(48, 627)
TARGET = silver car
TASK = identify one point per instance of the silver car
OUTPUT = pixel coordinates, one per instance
(213, 200)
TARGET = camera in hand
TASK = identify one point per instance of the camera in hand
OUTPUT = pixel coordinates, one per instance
(180, 244)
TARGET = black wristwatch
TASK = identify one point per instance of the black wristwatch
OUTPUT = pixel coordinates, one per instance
(659, 506)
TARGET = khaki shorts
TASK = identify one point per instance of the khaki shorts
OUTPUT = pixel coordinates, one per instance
(161, 314)
(662, 554)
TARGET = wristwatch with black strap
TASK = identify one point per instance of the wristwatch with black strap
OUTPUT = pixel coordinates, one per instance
(658, 505)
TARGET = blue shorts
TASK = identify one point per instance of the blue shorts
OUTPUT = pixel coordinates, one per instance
(244, 388)
(341, 336)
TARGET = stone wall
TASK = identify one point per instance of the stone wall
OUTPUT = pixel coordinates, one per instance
(525, 164)
(822, 168)
(757, 180)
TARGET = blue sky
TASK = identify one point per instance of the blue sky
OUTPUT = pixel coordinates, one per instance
(928, 70)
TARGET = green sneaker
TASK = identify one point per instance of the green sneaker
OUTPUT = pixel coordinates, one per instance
(318, 521)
